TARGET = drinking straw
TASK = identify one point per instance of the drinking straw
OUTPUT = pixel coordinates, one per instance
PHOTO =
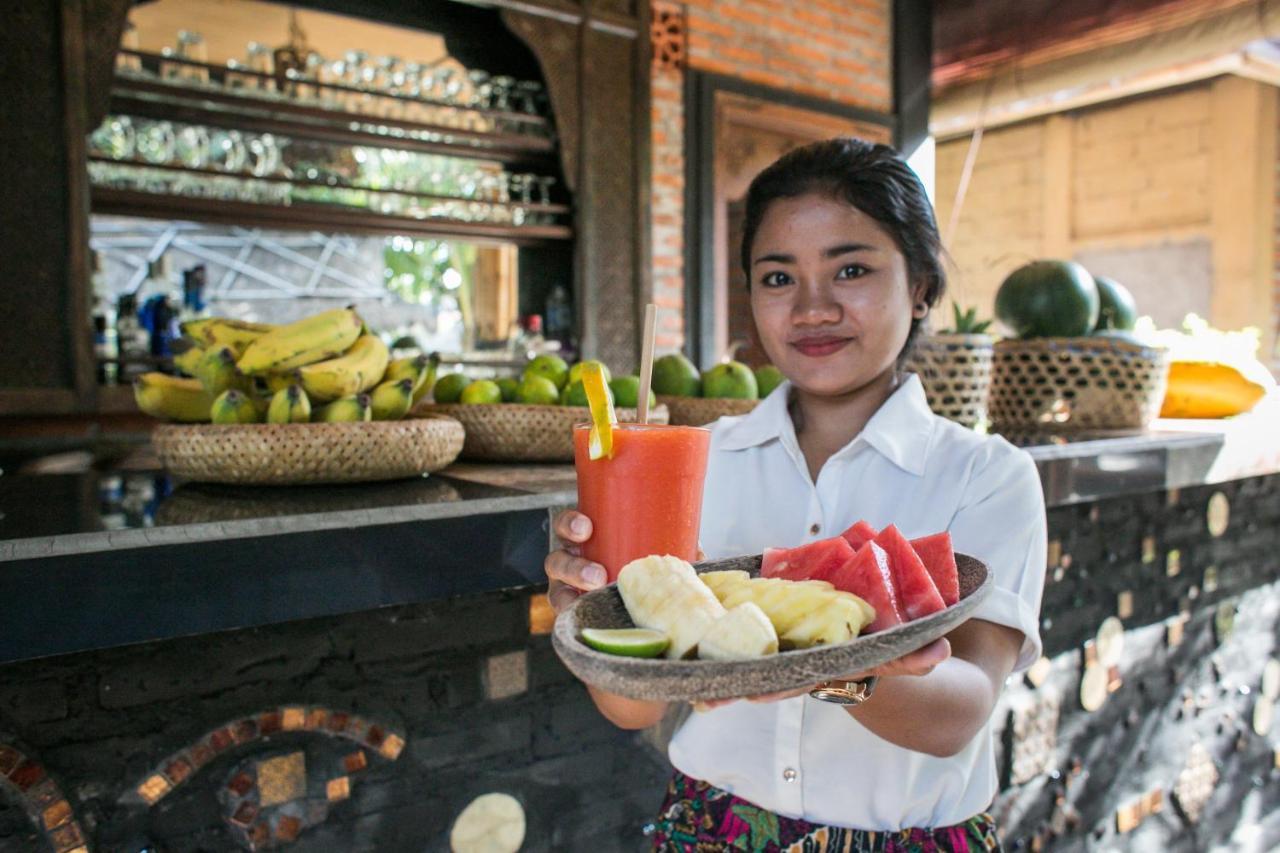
(646, 361)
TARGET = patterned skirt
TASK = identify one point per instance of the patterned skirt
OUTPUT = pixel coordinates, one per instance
(699, 818)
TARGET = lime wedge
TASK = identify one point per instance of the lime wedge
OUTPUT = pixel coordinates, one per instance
(600, 442)
(632, 642)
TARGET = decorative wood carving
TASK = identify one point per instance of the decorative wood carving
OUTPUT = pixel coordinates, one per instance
(667, 35)
(555, 44)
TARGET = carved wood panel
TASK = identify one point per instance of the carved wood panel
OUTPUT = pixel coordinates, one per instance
(555, 45)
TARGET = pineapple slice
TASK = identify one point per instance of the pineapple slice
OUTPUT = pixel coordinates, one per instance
(803, 613)
(665, 594)
(741, 634)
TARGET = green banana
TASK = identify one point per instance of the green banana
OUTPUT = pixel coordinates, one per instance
(217, 371)
(355, 371)
(289, 406)
(391, 400)
(428, 381)
(353, 408)
(234, 407)
(187, 360)
(270, 383)
(172, 398)
(315, 338)
(414, 368)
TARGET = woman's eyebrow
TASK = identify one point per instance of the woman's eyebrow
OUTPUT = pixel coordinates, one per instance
(846, 248)
(775, 258)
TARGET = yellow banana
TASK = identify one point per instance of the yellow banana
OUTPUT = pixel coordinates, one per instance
(289, 406)
(274, 382)
(429, 380)
(357, 370)
(353, 408)
(234, 407)
(315, 338)
(415, 368)
(172, 398)
(217, 371)
(225, 332)
(391, 400)
(187, 360)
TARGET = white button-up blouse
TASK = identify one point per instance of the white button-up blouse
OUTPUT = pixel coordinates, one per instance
(808, 759)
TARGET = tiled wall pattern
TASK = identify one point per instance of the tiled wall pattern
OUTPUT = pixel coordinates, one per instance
(1147, 726)
(837, 51)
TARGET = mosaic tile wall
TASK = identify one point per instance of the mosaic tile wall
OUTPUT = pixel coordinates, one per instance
(1147, 726)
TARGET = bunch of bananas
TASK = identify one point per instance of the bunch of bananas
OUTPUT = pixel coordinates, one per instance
(324, 368)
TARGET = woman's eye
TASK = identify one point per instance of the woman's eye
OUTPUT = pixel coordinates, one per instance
(775, 279)
(853, 271)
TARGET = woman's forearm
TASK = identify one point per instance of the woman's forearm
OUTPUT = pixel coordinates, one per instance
(627, 713)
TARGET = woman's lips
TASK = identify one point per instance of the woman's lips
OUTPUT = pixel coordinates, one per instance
(817, 347)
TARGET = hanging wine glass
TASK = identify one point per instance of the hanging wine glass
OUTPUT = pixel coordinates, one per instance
(191, 46)
(192, 146)
(155, 142)
(260, 60)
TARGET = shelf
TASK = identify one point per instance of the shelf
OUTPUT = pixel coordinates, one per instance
(308, 217)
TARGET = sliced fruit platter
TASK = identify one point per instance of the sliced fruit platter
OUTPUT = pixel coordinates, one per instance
(319, 400)
(531, 419)
(782, 620)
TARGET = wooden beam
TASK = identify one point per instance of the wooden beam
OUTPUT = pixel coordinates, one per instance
(1057, 187)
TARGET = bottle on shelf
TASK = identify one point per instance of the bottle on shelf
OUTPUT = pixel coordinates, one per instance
(106, 346)
(193, 306)
(160, 302)
(132, 338)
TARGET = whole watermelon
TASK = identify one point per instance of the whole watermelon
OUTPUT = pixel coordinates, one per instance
(1049, 299)
(1117, 309)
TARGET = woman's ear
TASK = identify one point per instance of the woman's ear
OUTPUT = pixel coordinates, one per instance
(919, 308)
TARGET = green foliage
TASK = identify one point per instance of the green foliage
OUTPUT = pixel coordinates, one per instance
(421, 271)
(966, 322)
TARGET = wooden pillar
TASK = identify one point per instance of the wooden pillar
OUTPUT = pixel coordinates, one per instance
(496, 292)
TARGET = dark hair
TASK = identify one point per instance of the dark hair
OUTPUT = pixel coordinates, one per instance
(875, 180)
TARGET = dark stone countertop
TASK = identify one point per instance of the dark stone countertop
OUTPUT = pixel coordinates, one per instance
(113, 558)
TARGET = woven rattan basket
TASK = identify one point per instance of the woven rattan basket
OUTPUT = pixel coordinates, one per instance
(956, 373)
(700, 411)
(1063, 384)
(295, 454)
(512, 432)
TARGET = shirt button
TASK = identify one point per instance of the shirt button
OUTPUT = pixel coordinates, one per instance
(814, 528)
(789, 775)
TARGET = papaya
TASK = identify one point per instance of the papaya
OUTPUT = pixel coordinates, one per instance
(1201, 389)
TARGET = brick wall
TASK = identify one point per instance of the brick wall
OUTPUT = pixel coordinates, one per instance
(838, 51)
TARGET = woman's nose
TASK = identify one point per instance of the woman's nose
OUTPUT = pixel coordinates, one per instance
(815, 303)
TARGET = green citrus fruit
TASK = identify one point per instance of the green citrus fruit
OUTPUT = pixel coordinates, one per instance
(626, 392)
(768, 377)
(676, 376)
(448, 388)
(537, 391)
(508, 387)
(732, 379)
(482, 392)
(631, 642)
(550, 366)
(576, 395)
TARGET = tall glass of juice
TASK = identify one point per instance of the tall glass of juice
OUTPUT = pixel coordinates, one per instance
(647, 498)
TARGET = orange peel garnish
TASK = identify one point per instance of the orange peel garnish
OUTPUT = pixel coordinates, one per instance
(603, 419)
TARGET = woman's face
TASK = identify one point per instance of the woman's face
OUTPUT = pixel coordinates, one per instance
(830, 294)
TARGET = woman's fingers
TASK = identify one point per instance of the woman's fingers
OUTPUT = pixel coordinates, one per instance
(560, 595)
(572, 526)
(577, 572)
(920, 662)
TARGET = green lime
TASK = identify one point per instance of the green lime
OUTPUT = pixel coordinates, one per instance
(675, 375)
(508, 387)
(731, 379)
(626, 392)
(576, 395)
(550, 366)
(448, 388)
(537, 391)
(631, 642)
(575, 372)
(482, 392)
(768, 377)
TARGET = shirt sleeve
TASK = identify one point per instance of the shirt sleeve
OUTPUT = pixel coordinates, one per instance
(1001, 521)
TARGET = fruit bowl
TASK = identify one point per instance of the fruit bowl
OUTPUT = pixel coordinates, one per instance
(514, 432)
(700, 411)
(658, 679)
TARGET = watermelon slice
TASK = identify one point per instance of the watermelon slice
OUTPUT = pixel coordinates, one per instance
(859, 534)
(940, 562)
(815, 561)
(867, 576)
(917, 594)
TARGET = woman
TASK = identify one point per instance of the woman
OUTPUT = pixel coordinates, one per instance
(841, 253)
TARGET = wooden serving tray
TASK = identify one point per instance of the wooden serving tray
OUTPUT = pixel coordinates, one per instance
(692, 680)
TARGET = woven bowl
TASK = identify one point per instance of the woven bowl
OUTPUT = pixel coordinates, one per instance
(513, 432)
(659, 679)
(700, 411)
(956, 373)
(296, 454)
(1066, 384)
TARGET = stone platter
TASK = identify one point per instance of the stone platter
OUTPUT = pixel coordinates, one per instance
(692, 680)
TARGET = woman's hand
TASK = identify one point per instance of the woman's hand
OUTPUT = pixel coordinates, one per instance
(568, 573)
(920, 662)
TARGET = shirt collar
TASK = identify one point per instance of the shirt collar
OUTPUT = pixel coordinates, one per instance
(900, 430)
